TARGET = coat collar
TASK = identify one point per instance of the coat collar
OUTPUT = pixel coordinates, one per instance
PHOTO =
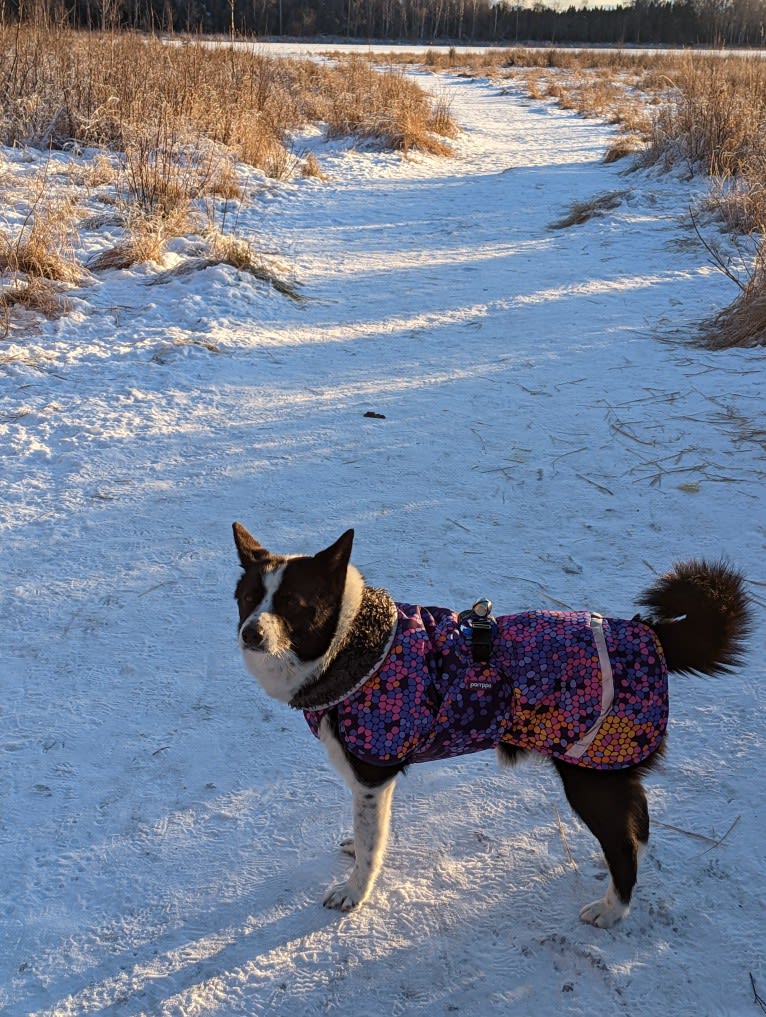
(360, 655)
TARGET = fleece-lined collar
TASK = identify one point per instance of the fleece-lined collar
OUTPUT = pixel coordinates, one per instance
(359, 656)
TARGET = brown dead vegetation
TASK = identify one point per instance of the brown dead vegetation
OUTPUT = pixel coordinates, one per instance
(58, 86)
(172, 120)
(583, 211)
(312, 168)
(37, 259)
(742, 323)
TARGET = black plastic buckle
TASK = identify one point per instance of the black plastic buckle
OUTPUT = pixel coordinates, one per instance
(481, 623)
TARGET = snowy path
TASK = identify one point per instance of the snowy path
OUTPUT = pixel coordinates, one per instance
(166, 833)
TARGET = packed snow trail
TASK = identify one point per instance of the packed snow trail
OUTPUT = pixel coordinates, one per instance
(167, 833)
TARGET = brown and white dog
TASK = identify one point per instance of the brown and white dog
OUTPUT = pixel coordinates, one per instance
(318, 638)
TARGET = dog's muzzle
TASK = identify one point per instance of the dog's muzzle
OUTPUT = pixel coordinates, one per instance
(251, 635)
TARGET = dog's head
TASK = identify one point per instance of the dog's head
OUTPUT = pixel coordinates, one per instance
(293, 610)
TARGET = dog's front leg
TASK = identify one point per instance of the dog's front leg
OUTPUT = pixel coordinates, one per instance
(372, 815)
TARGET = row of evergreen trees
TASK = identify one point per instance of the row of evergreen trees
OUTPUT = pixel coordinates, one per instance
(643, 22)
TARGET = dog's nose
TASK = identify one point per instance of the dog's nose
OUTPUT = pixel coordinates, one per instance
(251, 635)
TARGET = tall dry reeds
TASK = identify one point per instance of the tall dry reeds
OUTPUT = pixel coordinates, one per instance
(388, 107)
(37, 255)
(713, 120)
(58, 86)
(172, 120)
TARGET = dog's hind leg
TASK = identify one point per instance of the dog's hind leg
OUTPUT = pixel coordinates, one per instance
(372, 815)
(613, 806)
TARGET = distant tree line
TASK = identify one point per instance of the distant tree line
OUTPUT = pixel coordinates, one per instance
(643, 22)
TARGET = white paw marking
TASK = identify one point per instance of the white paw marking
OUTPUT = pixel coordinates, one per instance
(343, 897)
(347, 847)
(605, 913)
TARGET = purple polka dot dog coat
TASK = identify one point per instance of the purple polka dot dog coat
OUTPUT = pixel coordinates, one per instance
(588, 690)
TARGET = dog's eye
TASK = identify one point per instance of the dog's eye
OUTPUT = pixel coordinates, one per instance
(293, 602)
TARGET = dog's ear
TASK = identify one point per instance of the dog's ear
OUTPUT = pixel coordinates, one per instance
(247, 546)
(337, 555)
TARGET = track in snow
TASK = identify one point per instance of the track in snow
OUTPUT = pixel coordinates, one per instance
(166, 832)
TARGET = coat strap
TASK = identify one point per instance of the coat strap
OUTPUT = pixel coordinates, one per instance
(580, 747)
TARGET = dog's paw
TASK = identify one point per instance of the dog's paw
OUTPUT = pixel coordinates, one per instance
(347, 847)
(604, 913)
(343, 897)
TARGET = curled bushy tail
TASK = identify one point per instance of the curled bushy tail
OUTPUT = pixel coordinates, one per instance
(701, 614)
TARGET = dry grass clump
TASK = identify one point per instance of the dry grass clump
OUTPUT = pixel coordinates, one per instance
(227, 249)
(387, 107)
(37, 257)
(583, 211)
(535, 84)
(622, 146)
(224, 181)
(312, 168)
(221, 248)
(99, 171)
(740, 201)
(146, 237)
(41, 247)
(157, 179)
(743, 322)
(33, 294)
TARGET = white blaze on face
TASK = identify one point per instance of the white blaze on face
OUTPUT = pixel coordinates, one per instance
(275, 637)
(273, 664)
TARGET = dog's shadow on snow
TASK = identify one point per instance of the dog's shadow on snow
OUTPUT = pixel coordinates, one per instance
(196, 963)
(278, 945)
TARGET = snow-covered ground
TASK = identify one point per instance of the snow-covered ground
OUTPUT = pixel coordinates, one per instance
(550, 438)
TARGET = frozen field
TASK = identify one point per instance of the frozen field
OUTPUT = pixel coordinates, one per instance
(550, 438)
